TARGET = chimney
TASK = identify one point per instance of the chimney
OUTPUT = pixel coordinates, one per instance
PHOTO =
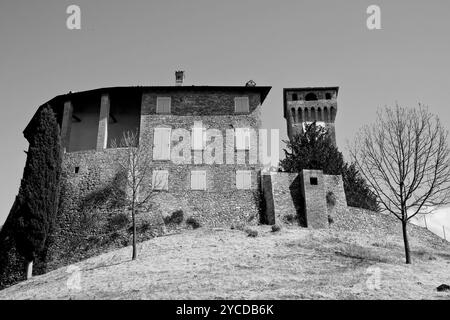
(179, 77)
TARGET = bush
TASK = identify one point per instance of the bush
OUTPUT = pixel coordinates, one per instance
(238, 226)
(118, 221)
(176, 217)
(276, 228)
(191, 221)
(330, 219)
(251, 232)
(289, 218)
(331, 199)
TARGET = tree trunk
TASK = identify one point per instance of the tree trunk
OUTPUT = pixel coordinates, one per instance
(406, 242)
(29, 269)
(134, 233)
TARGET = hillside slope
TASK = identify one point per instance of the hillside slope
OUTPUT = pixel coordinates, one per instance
(294, 263)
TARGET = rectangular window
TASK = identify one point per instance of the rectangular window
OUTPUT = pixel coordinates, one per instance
(160, 180)
(241, 105)
(198, 180)
(163, 104)
(161, 144)
(242, 138)
(313, 181)
(243, 179)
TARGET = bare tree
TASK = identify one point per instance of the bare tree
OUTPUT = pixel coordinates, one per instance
(404, 156)
(135, 164)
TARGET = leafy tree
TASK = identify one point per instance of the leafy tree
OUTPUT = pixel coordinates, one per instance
(404, 156)
(37, 201)
(357, 191)
(314, 149)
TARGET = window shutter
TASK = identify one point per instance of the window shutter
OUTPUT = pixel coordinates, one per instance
(247, 180)
(241, 104)
(161, 144)
(198, 180)
(239, 180)
(163, 104)
(160, 180)
(198, 138)
(243, 179)
(242, 138)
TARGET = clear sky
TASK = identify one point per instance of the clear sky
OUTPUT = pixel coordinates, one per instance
(283, 43)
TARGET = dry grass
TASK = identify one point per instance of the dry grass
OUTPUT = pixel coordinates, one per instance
(293, 263)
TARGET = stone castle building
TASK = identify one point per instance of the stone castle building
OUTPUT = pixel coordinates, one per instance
(215, 194)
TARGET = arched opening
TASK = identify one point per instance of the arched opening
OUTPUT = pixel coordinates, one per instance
(306, 115)
(325, 114)
(332, 113)
(312, 114)
(310, 97)
(328, 96)
(300, 115)
(319, 114)
(294, 97)
(293, 114)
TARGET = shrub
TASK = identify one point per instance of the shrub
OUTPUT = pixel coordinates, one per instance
(176, 217)
(144, 227)
(331, 199)
(191, 221)
(118, 221)
(289, 218)
(330, 219)
(238, 226)
(251, 232)
(276, 228)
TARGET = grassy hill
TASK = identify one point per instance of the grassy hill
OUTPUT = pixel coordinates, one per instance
(343, 262)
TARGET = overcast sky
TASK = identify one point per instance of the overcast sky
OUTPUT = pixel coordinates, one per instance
(277, 43)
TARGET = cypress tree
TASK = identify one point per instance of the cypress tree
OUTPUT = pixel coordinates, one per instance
(39, 190)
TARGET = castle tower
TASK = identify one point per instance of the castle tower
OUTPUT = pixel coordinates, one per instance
(306, 105)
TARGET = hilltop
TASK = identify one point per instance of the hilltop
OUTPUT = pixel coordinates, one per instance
(294, 263)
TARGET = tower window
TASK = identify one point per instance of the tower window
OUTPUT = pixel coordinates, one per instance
(328, 96)
(310, 97)
(313, 181)
(294, 97)
(77, 169)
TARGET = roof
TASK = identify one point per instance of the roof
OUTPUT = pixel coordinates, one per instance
(57, 101)
(312, 88)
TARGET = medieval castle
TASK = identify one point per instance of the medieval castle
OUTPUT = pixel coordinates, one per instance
(219, 193)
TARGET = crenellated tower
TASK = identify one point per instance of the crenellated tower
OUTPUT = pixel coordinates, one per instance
(305, 105)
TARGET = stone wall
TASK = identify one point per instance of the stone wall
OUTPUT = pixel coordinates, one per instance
(291, 194)
(88, 207)
(335, 196)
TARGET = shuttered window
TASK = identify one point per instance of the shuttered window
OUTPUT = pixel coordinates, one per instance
(163, 104)
(198, 180)
(242, 138)
(243, 179)
(160, 180)
(241, 105)
(198, 136)
(161, 144)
